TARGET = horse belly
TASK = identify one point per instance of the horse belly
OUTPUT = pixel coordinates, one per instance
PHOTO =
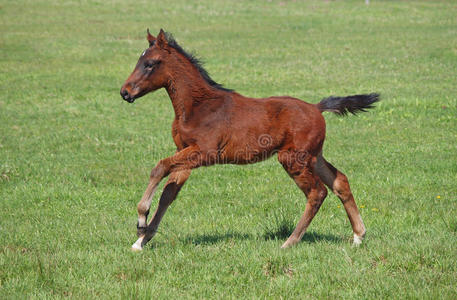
(248, 150)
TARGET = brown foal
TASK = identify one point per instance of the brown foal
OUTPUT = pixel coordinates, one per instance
(215, 125)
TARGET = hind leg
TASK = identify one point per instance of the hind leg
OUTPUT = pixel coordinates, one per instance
(339, 184)
(302, 173)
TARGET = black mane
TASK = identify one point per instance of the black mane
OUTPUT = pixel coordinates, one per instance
(196, 62)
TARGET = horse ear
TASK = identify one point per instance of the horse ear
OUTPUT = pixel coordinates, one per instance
(162, 39)
(151, 38)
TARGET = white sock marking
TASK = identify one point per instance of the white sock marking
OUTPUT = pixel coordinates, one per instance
(142, 221)
(137, 246)
(357, 239)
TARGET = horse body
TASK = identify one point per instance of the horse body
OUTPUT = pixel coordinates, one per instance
(214, 125)
(262, 127)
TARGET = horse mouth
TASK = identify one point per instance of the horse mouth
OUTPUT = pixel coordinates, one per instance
(128, 98)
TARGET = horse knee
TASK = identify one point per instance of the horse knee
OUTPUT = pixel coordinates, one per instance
(158, 171)
(179, 177)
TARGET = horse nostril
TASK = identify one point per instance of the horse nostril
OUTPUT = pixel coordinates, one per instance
(124, 94)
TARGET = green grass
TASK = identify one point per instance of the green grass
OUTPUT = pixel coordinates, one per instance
(75, 158)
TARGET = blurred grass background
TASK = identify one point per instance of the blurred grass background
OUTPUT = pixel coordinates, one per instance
(75, 158)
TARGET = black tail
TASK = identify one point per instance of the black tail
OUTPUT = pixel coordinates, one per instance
(343, 105)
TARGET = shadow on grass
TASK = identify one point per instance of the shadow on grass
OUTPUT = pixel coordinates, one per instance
(213, 238)
(310, 237)
(282, 228)
(281, 234)
(279, 230)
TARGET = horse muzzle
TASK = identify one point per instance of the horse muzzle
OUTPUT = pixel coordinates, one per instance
(127, 96)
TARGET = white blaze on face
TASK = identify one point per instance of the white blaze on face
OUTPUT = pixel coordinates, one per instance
(144, 52)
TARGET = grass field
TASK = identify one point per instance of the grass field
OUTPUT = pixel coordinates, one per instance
(75, 157)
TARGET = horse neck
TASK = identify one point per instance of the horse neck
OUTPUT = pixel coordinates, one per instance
(186, 88)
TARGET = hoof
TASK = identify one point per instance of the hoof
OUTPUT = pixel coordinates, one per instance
(289, 243)
(357, 240)
(137, 246)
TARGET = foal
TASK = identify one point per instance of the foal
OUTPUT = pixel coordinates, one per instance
(216, 125)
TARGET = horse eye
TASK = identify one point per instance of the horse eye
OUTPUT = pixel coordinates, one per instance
(150, 64)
